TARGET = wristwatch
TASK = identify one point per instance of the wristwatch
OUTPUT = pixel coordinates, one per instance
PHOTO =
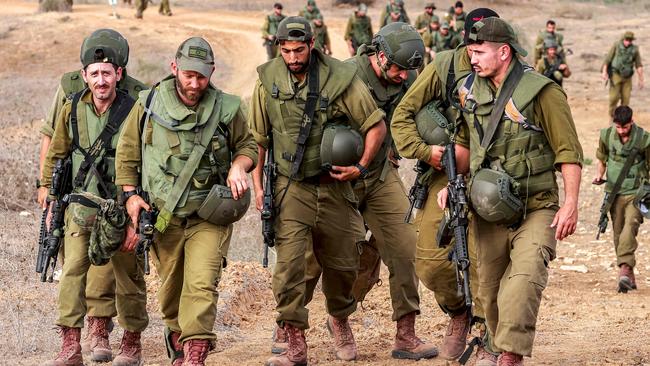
(126, 195)
(364, 171)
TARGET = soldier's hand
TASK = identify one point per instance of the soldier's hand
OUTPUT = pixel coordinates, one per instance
(259, 199)
(604, 76)
(436, 156)
(133, 206)
(130, 239)
(42, 196)
(345, 173)
(442, 198)
(237, 181)
(565, 220)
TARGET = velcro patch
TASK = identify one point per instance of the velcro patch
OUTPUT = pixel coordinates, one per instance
(198, 52)
(296, 26)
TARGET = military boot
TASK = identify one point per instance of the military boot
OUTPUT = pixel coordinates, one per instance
(85, 342)
(407, 344)
(279, 340)
(97, 339)
(296, 351)
(510, 359)
(455, 339)
(130, 353)
(174, 347)
(346, 348)
(196, 351)
(485, 358)
(70, 354)
(626, 280)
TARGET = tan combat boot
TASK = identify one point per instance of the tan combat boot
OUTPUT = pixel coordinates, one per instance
(626, 280)
(130, 353)
(485, 358)
(510, 359)
(346, 348)
(70, 354)
(280, 342)
(196, 351)
(407, 344)
(85, 342)
(296, 352)
(174, 347)
(455, 340)
(97, 339)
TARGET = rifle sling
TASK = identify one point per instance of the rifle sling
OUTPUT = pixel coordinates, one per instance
(626, 169)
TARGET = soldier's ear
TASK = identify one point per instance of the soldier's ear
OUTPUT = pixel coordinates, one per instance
(83, 75)
(119, 72)
(174, 67)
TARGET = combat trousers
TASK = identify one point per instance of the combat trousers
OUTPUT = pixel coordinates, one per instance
(140, 7)
(189, 257)
(164, 8)
(619, 89)
(322, 216)
(130, 287)
(626, 220)
(271, 50)
(512, 271)
(432, 263)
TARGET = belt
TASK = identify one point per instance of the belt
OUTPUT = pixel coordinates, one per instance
(320, 179)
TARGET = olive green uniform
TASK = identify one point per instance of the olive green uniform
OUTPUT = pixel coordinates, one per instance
(140, 7)
(269, 28)
(314, 210)
(626, 218)
(542, 36)
(309, 15)
(424, 20)
(622, 60)
(191, 252)
(321, 38)
(549, 68)
(385, 17)
(358, 30)
(432, 263)
(129, 287)
(100, 282)
(437, 42)
(164, 8)
(513, 260)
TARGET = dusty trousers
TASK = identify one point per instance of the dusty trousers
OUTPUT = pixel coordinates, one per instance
(626, 220)
(620, 89)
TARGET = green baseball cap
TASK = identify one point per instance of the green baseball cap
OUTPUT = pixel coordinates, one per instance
(430, 5)
(99, 54)
(195, 54)
(294, 29)
(495, 30)
(444, 25)
(107, 38)
(629, 35)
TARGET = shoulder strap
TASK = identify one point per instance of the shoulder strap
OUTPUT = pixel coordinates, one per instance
(74, 123)
(201, 141)
(626, 169)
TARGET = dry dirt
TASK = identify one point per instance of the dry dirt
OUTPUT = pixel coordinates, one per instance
(582, 319)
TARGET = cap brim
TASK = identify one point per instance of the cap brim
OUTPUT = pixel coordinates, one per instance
(202, 68)
(520, 50)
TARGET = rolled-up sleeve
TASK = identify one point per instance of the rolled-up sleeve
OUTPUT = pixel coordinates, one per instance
(359, 106)
(128, 153)
(241, 139)
(258, 118)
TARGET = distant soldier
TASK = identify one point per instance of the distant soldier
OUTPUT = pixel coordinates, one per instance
(359, 29)
(428, 38)
(321, 35)
(164, 8)
(618, 68)
(624, 141)
(548, 33)
(269, 28)
(393, 12)
(423, 20)
(442, 40)
(456, 17)
(140, 7)
(552, 65)
(310, 11)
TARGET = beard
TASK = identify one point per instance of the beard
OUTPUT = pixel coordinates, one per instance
(101, 91)
(193, 94)
(298, 67)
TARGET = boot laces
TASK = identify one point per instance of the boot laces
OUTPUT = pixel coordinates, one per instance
(130, 345)
(198, 350)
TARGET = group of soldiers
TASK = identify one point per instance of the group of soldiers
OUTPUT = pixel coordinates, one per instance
(333, 133)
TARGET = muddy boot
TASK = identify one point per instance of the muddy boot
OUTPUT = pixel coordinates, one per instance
(407, 344)
(174, 347)
(296, 351)
(85, 342)
(346, 348)
(455, 340)
(485, 358)
(510, 359)
(98, 346)
(196, 351)
(626, 280)
(279, 340)
(130, 353)
(70, 354)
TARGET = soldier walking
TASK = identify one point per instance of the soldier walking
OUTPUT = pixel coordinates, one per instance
(550, 34)
(321, 35)
(358, 31)
(269, 28)
(425, 19)
(618, 68)
(552, 65)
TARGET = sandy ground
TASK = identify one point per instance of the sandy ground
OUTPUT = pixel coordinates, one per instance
(582, 321)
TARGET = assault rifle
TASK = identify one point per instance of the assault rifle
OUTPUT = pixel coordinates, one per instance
(268, 209)
(419, 191)
(146, 222)
(50, 239)
(603, 220)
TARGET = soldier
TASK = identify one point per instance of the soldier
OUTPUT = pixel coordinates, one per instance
(552, 65)
(140, 7)
(316, 206)
(432, 265)
(618, 68)
(443, 40)
(428, 38)
(164, 8)
(548, 33)
(321, 36)
(162, 151)
(358, 30)
(92, 119)
(100, 281)
(517, 236)
(269, 28)
(425, 19)
(310, 11)
(393, 12)
(619, 143)
(456, 17)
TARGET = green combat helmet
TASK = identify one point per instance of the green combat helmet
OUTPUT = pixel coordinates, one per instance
(340, 146)
(550, 43)
(220, 208)
(402, 45)
(108, 38)
(432, 125)
(642, 199)
(294, 29)
(493, 199)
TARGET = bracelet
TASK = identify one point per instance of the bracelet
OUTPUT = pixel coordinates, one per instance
(363, 170)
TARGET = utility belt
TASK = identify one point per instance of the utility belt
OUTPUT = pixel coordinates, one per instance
(320, 179)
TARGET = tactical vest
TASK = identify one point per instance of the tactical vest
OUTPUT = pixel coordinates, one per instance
(360, 27)
(169, 136)
(285, 108)
(623, 61)
(319, 36)
(274, 22)
(72, 82)
(394, 9)
(618, 154)
(550, 69)
(441, 42)
(519, 147)
(449, 74)
(310, 15)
